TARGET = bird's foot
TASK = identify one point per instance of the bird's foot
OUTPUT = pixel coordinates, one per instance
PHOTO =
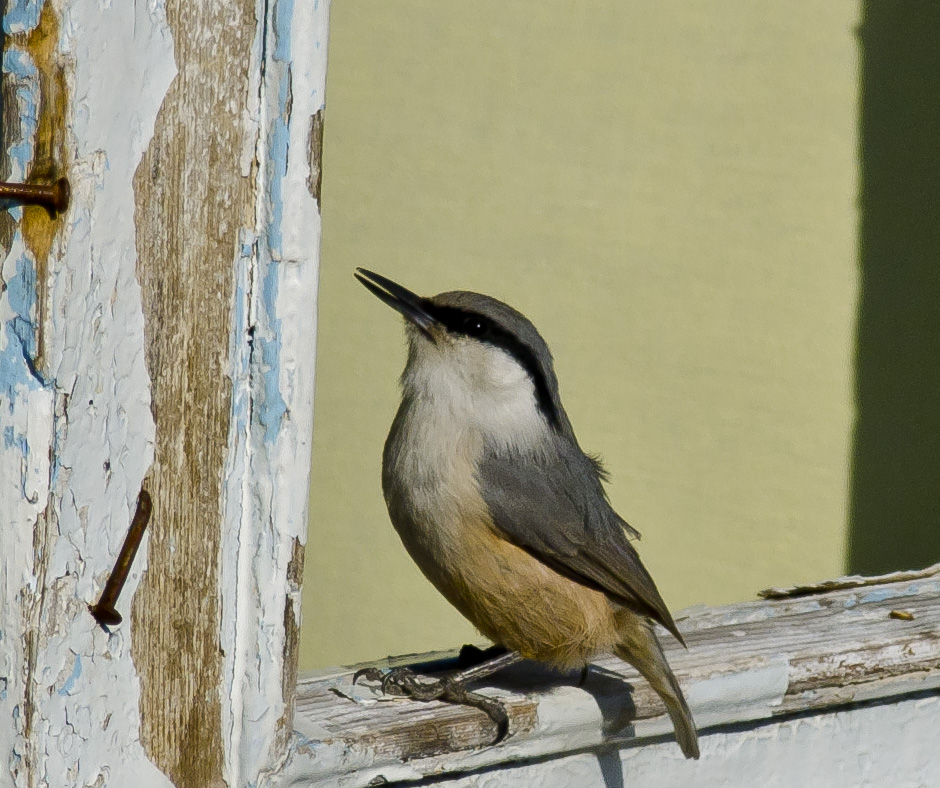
(406, 683)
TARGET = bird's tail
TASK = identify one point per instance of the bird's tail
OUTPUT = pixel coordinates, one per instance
(641, 649)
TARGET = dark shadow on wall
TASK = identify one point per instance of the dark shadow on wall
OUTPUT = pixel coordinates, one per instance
(895, 494)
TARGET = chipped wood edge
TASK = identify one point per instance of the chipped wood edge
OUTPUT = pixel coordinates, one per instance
(848, 581)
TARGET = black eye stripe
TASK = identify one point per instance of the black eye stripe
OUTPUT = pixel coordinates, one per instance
(466, 323)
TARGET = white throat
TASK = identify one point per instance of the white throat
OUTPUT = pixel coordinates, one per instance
(471, 391)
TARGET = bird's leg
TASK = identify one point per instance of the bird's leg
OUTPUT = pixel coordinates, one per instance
(471, 655)
(488, 668)
(450, 689)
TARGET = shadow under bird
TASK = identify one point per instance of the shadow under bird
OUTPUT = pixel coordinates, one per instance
(503, 512)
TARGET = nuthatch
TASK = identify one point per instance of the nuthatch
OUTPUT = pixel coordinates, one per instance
(503, 512)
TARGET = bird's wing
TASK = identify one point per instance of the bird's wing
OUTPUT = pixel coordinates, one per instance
(557, 510)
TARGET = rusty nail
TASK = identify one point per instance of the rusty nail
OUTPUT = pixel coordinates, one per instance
(53, 197)
(104, 611)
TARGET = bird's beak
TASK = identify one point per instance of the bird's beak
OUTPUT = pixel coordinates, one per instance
(398, 298)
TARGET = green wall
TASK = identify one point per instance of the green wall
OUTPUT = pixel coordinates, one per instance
(669, 191)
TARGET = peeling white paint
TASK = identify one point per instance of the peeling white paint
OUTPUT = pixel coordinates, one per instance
(271, 426)
(95, 356)
(26, 432)
(83, 433)
(77, 437)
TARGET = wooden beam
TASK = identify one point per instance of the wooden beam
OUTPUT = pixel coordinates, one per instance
(753, 663)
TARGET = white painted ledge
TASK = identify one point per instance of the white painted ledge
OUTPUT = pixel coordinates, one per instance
(754, 672)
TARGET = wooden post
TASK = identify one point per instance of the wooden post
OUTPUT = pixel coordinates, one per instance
(160, 335)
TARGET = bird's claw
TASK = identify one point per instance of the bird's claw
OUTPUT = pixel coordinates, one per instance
(406, 683)
(372, 674)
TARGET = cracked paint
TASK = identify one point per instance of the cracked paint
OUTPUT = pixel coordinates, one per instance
(275, 393)
(72, 677)
(84, 377)
(26, 416)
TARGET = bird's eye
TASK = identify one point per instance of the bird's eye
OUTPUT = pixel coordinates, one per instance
(473, 326)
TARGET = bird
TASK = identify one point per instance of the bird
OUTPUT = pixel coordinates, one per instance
(503, 512)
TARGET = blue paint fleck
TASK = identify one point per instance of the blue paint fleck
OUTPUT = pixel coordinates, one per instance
(16, 359)
(280, 128)
(21, 16)
(8, 437)
(17, 369)
(25, 82)
(912, 589)
(21, 294)
(280, 142)
(273, 407)
(66, 689)
(283, 15)
(880, 595)
(21, 288)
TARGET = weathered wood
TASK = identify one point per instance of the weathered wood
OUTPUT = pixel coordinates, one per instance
(754, 661)
(849, 581)
(159, 334)
(187, 220)
(867, 746)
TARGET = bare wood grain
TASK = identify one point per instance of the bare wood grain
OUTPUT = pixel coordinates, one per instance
(190, 203)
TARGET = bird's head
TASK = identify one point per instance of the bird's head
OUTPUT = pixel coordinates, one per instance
(473, 347)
